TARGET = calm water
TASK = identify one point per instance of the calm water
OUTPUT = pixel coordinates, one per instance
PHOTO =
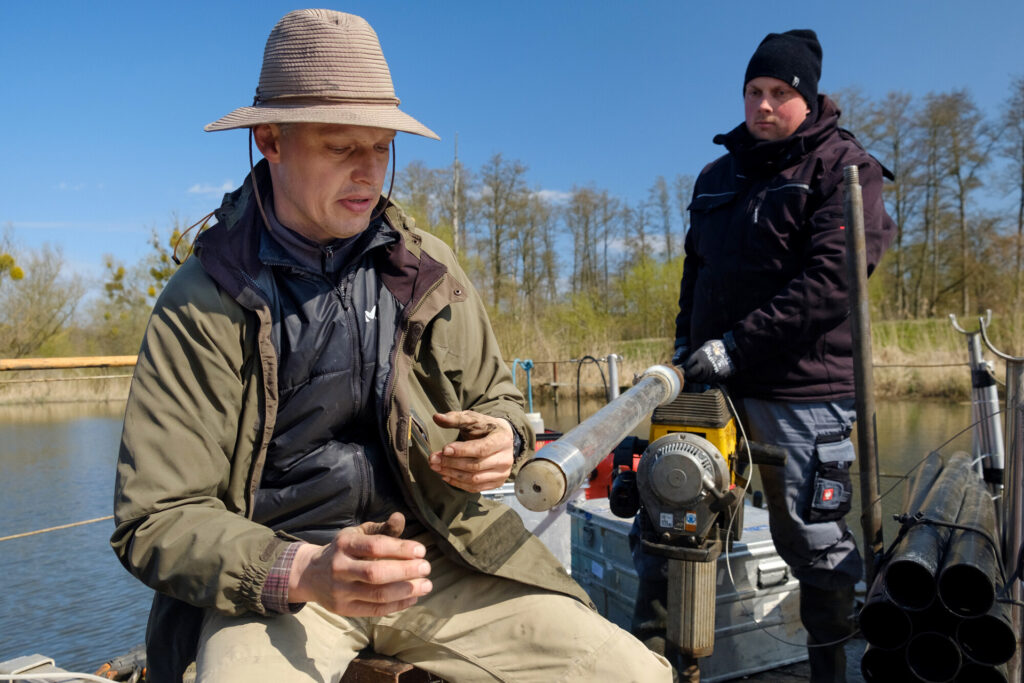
(65, 594)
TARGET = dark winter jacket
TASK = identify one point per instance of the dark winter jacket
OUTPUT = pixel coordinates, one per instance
(766, 259)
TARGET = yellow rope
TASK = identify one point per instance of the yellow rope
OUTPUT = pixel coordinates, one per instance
(55, 528)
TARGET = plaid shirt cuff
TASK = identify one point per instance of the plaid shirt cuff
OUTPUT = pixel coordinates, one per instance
(275, 589)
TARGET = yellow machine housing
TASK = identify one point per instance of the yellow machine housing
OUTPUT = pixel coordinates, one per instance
(705, 414)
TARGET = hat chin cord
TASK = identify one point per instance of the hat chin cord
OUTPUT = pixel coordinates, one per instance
(259, 200)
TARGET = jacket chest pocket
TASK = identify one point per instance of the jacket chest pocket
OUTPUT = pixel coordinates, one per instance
(774, 235)
(710, 218)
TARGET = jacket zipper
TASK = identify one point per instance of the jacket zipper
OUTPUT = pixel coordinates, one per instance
(392, 381)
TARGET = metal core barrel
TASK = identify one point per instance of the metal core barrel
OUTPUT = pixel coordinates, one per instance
(967, 580)
(933, 657)
(988, 639)
(884, 624)
(982, 673)
(911, 575)
(881, 665)
(561, 467)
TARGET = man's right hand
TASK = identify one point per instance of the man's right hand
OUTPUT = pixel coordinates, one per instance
(366, 571)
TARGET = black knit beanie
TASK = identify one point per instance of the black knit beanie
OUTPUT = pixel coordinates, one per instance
(793, 57)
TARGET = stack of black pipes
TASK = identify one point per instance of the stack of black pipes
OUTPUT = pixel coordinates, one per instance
(931, 613)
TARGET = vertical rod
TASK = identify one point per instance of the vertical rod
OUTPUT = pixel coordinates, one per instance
(613, 376)
(867, 432)
(1013, 501)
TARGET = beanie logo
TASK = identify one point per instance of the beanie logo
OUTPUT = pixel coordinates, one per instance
(796, 81)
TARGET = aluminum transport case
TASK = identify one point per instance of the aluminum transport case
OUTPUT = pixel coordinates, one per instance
(757, 614)
(553, 526)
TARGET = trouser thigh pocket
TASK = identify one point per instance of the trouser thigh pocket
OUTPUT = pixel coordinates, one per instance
(832, 495)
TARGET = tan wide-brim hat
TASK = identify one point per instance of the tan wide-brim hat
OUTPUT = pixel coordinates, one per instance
(323, 66)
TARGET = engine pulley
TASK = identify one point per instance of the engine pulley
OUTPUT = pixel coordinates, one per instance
(678, 477)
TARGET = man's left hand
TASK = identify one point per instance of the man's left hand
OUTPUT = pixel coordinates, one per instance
(482, 458)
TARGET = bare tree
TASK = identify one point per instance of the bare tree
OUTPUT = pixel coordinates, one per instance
(1013, 150)
(968, 146)
(502, 194)
(889, 125)
(583, 223)
(416, 187)
(532, 249)
(682, 188)
(856, 112)
(661, 206)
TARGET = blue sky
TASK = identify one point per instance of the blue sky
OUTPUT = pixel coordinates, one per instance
(104, 103)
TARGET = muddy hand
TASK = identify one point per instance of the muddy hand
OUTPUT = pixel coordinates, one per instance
(365, 571)
(482, 458)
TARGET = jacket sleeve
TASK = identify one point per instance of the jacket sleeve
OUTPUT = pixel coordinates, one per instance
(472, 360)
(690, 266)
(817, 299)
(186, 452)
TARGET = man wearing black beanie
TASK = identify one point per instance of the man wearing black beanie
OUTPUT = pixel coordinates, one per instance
(764, 311)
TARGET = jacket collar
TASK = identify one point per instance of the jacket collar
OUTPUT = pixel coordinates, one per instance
(767, 157)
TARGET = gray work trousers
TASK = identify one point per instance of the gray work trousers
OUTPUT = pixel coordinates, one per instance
(823, 554)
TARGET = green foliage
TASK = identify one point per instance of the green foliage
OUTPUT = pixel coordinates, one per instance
(649, 294)
(38, 310)
(9, 267)
(116, 322)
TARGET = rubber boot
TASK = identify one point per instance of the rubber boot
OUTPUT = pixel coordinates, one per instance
(825, 614)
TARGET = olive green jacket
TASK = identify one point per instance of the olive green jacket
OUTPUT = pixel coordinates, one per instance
(202, 409)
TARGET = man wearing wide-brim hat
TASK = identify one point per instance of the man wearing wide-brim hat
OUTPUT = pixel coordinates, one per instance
(319, 401)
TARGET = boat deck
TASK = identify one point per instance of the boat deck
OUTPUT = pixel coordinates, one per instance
(801, 672)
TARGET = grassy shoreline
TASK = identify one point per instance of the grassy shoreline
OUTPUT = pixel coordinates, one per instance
(919, 359)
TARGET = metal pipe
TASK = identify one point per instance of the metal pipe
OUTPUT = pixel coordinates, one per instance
(562, 466)
(988, 639)
(967, 579)
(921, 483)
(878, 665)
(933, 657)
(972, 672)
(867, 431)
(613, 376)
(884, 624)
(911, 574)
(935, 618)
(987, 436)
(1012, 527)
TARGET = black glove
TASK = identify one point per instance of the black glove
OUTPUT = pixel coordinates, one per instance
(710, 364)
(682, 350)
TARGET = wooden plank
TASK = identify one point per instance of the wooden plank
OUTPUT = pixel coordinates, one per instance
(66, 363)
(373, 668)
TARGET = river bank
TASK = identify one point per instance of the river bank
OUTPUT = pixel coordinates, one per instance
(918, 359)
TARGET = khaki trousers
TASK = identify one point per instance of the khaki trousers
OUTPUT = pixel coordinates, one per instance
(471, 627)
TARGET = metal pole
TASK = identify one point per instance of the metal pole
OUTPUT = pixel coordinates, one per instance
(867, 431)
(987, 438)
(1013, 492)
(613, 376)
